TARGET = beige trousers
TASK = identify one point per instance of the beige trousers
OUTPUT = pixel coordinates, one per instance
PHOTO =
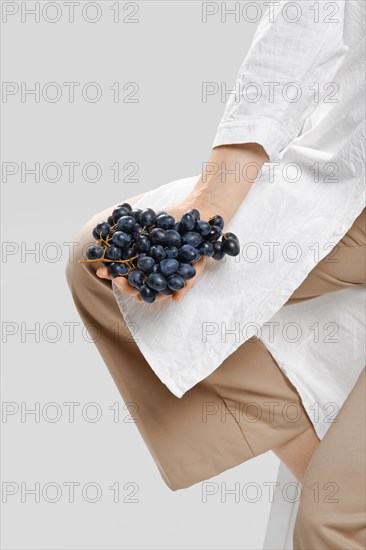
(244, 408)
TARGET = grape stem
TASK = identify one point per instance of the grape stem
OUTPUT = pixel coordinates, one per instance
(106, 260)
(103, 241)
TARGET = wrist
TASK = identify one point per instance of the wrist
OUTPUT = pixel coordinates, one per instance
(227, 178)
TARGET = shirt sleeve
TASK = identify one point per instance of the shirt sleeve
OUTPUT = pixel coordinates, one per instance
(297, 49)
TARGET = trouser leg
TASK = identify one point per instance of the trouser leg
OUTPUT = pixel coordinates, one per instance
(332, 508)
(343, 267)
(331, 514)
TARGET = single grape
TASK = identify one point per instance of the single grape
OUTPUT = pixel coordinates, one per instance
(137, 230)
(126, 223)
(214, 234)
(178, 227)
(121, 239)
(119, 212)
(186, 271)
(230, 236)
(171, 252)
(156, 268)
(218, 252)
(172, 237)
(231, 247)
(175, 282)
(113, 253)
(192, 238)
(165, 221)
(188, 253)
(110, 220)
(146, 264)
(115, 270)
(194, 212)
(128, 253)
(147, 217)
(147, 294)
(135, 213)
(197, 257)
(101, 231)
(217, 220)
(136, 278)
(206, 249)
(125, 205)
(94, 252)
(203, 228)
(157, 281)
(143, 244)
(169, 266)
(187, 222)
(157, 236)
(157, 252)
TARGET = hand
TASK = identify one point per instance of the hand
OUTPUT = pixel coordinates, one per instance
(176, 211)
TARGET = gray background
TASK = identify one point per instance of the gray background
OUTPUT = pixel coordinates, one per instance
(169, 52)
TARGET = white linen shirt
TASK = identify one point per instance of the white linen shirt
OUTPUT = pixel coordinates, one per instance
(301, 97)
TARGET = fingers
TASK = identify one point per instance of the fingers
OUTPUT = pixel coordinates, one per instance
(125, 286)
(178, 295)
(162, 297)
(158, 299)
(103, 273)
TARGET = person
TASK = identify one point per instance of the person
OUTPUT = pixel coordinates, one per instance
(296, 51)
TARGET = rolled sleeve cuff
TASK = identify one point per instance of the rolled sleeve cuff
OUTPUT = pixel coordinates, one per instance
(265, 131)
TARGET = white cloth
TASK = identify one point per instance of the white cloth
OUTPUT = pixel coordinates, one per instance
(320, 346)
(303, 205)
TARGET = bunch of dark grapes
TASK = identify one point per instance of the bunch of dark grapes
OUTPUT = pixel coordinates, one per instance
(156, 253)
